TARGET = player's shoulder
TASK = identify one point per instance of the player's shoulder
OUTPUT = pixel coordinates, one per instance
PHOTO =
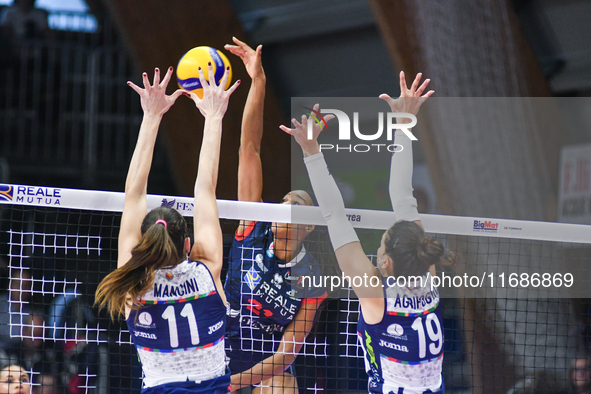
(248, 230)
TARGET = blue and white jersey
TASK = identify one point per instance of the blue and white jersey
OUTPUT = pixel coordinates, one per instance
(264, 295)
(179, 332)
(405, 350)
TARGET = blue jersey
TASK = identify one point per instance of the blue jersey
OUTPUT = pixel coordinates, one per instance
(179, 331)
(404, 352)
(264, 295)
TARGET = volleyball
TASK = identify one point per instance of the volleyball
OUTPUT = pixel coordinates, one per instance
(187, 71)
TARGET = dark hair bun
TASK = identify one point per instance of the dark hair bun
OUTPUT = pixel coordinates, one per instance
(430, 250)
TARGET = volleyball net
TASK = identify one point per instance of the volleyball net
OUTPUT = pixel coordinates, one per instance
(515, 307)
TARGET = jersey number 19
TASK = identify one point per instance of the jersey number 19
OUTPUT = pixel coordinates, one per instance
(436, 335)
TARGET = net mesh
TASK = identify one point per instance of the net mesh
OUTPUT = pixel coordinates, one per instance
(54, 256)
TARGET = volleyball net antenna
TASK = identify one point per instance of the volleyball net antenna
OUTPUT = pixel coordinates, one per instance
(515, 307)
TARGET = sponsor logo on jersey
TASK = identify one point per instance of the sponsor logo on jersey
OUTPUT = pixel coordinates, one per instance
(373, 364)
(259, 262)
(6, 192)
(293, 294)
(393, 346)
(257, 308)
(145, 319)
(277, 280)
(282, 304)
(246, 321)
(252, 278)
(145, 335)
(396, 331)
(215, 327)
(292, 278)
(271, 251)
(485, 226)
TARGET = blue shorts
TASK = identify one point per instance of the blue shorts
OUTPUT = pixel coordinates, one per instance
(219, 385)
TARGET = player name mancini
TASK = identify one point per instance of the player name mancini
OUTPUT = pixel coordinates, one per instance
(186, 288)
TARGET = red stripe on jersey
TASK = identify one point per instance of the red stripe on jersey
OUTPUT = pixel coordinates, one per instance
(314, 300)
(245, 233)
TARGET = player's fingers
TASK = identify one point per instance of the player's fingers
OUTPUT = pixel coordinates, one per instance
(178, 93)
(145, 80)
(233, 87)
(192, 95)
(241, 44)
(204, 83)
(286, 129)
(225, 77)
(428, 94)
(211, 75)
(296, 123)
(234, 50)
(403, 87)
(422, 88)
(156, 77)
(415, 83)
(386, 97)
(424, 97)
(316, 107)
(328, 117)
(166, 79)
(135, 87)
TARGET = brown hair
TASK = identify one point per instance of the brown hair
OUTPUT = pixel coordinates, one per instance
(160, 246)
(412, 251)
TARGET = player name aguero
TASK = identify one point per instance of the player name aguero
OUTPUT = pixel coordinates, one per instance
(186, 288)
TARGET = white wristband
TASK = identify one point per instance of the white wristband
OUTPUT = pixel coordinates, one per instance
(331, 204)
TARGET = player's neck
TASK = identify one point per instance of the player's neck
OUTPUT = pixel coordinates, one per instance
(286, 249)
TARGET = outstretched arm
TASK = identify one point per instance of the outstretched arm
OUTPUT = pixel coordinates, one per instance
(250, 171)
(207, 246)
(292, 341)
(401, 165)
(348, 250)
(154, 103)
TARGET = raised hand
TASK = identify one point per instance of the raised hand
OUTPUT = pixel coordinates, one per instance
(153, 97)
(410, 100)
(308, 143)
(215, 97)
(250, 57)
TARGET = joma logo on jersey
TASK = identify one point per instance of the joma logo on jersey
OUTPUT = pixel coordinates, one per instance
(215, 327)
(485, 225)
(145, 335)
(393, 346)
